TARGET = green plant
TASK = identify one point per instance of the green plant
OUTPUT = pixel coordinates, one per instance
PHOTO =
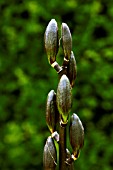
(59, 104)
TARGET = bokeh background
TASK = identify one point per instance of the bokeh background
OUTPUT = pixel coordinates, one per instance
(26, 78)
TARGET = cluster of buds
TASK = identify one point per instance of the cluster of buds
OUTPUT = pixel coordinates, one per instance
(59, 104)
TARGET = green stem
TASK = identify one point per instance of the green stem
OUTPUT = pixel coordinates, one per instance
(62, 148)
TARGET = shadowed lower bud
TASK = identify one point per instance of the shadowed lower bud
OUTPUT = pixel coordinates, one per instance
(76, 134)
(51, 41)
(69, 161)
(64, 97)
(49, 155)
(66, 41)
(51, 110)
(72, 69)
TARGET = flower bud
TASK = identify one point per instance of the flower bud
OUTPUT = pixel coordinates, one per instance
(66, 41)
(64, 97)
(76, 134)
(51, 109)
(49, 155)
(51, 41)
(72, 69)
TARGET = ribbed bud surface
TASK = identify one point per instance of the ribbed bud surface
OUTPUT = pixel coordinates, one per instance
(72, 69)
(51, 110)
(66, 40)
(76, 134)
(51, 41)
(49, 155)
(64, 97)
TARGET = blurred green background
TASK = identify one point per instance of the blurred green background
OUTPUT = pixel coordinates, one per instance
(26, 78)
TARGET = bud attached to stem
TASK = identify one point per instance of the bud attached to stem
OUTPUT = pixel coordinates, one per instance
(52, 44)
(64, 97)
(49, 155)
(51, 41)
(51, 110)
(76, 135)
(66, 42)
(72, 69)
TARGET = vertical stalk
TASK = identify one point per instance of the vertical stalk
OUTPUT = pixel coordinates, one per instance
(62, 148)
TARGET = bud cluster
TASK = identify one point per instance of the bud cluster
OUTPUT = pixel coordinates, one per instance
(59, 104)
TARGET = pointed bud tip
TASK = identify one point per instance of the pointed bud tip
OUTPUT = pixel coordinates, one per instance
(49, 139)
(52, 22)
(64, 77)
(76, 118)
(64, 26)
(51, 94)
(65, 29)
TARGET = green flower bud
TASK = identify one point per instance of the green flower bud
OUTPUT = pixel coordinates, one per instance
(51, 109)
(49, 155)
(72, 69)
(51, 41)
(76, 134)
(66, 41)
(64, 97)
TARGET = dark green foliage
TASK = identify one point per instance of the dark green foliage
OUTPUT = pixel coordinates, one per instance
(26, 78)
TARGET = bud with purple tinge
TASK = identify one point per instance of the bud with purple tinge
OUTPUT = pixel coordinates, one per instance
(76, 134)
(51, 41)
(72, 69)
(64, 97)
(49, 155)
(51, 110)
(66, 41)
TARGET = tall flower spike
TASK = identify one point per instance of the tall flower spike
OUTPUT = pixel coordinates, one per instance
(72, 69)
(51, 110)
(76, 135)
(64, 97)
(51, 44)
(49, 155)
(66, 42)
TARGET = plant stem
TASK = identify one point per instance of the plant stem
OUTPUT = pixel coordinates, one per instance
(62, 148)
